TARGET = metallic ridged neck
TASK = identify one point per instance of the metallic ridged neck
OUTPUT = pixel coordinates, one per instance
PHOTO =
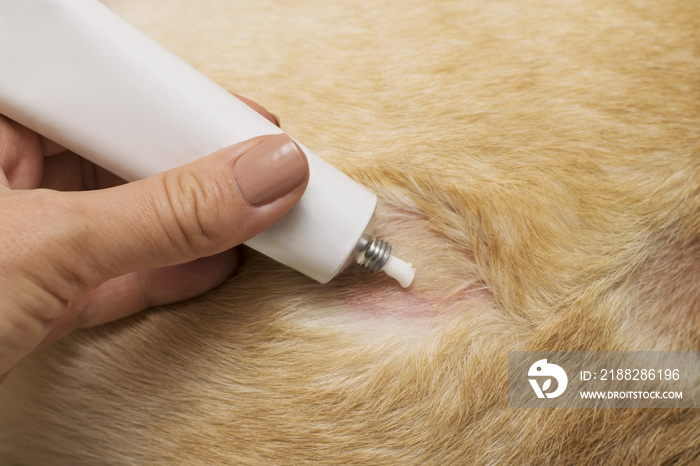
(372, 253)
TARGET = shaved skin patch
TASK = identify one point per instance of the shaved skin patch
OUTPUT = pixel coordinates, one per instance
(447, 281)
(369, 297)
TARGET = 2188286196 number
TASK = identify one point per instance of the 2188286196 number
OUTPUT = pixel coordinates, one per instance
(640, 374)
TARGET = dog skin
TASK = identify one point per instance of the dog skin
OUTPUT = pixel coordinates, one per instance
(537, 162)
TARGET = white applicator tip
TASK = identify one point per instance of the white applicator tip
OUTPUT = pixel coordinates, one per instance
(402, 271)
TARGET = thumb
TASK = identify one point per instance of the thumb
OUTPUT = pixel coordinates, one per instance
(201, 209)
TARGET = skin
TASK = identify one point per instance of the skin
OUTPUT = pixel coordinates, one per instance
(80, 247)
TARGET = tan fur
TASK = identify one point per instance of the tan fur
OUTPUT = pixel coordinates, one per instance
(538, 161)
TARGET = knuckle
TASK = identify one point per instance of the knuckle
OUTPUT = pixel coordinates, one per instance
(70, 243)
(53, 237)
(195, 215)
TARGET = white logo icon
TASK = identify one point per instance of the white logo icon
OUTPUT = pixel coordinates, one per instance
(543, 369)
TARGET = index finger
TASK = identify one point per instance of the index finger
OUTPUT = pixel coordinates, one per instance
(21, 156)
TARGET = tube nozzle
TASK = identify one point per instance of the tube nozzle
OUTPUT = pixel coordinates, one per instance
(374, 254)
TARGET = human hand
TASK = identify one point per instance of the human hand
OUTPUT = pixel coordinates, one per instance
(79, 247)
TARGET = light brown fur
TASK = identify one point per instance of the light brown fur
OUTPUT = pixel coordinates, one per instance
(537, 161)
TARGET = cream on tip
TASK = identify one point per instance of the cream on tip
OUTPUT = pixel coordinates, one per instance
(401, 271)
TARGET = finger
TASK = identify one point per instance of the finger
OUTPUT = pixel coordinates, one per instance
(49, 147)
(21, 156)
(63, 172)
(69, 172)
(258, 108)
(198, 210)
(125, 295)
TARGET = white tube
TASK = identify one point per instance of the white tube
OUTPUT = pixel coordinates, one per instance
(77, 73)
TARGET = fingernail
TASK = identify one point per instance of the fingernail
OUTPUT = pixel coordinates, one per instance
(270, 170)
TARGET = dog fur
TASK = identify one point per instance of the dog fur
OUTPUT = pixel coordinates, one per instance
(537, 161)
